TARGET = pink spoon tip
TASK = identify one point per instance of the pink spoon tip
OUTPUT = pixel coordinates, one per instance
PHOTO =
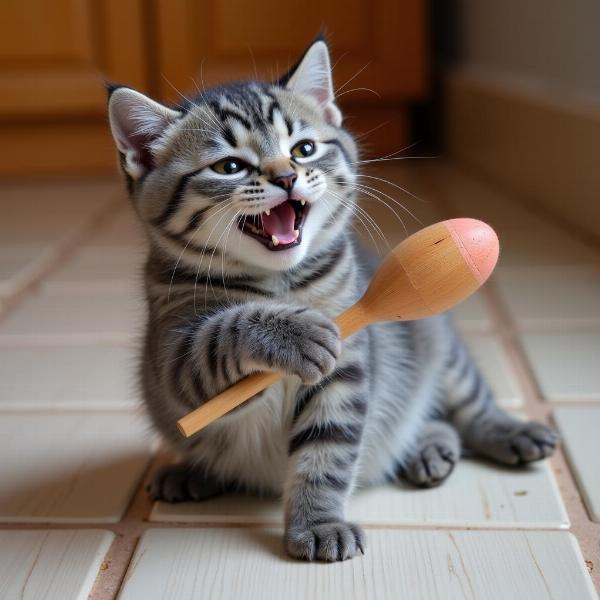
(478, 244)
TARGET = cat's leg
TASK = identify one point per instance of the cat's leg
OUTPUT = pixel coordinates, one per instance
(324, 446)
(434, 457)
(183, 483)
(485, 428)
(190, 363)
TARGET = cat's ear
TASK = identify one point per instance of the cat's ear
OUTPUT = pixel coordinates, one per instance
(137, 123)
(311, 76)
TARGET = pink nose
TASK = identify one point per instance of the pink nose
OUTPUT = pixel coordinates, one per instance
(478, 244)
(285, 181)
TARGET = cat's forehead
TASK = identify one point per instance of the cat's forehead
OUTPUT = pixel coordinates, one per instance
(257, 116)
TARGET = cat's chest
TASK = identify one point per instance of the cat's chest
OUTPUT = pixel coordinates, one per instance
(252, 447)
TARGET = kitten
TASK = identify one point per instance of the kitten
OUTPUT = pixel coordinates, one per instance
(246, 193)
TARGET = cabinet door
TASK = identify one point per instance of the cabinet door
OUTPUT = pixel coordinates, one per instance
(54, 57)
(378, 51)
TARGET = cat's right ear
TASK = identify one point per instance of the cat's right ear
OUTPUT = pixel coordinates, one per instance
(137, 124)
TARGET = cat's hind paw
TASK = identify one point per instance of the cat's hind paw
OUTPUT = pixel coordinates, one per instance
(182, 483)
(526, 443)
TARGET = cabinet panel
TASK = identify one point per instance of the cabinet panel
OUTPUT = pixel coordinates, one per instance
(54, 57)
(378, 52)
(381, 42)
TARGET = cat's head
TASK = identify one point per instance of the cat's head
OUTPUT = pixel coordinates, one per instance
(261, 172)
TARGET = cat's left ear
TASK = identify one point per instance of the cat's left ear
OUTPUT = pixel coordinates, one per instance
(311, 76)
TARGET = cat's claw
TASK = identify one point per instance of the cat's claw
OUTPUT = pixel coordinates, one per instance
(332, 541)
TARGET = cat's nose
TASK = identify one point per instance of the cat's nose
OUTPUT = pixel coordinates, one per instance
(285, 180)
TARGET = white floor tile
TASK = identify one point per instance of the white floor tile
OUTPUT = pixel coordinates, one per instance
(475, 495)
(53, 565)
(472, 315)
(68, 377)
(551, 296)
(15, 260)
(493, 362)
(70, 468)
(579, 428)
(70, 316)
(421, 565)
(566, 366)
(45, 210)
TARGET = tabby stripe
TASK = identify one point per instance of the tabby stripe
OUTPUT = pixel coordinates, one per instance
(327, 433)
(272, 108)
(227, 286)
(229, 137)
(328, 480)
(185, 244)
(213, 346)
(472, 396)
(343, 150)
(182, 358)
(195, 220)
(226, 113)
(290, 127)
(351, 374)
(175, 199)
(336, 213)
(321, 270)
(233, 285)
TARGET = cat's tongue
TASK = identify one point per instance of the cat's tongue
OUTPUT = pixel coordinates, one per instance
(280, 223)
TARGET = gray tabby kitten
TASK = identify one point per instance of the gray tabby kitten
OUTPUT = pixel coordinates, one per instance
(246, 192)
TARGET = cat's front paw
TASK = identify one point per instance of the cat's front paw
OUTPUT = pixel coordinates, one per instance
(299, 341)
(331, 541)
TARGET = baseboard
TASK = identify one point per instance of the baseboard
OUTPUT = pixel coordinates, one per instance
(69, 147)
(547, 151)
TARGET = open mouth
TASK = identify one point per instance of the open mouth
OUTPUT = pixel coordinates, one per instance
(278, 228)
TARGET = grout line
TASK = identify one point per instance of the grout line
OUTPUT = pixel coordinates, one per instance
(58, 253)
(585, 530)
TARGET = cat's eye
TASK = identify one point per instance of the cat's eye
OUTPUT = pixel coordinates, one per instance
(303, 149)
(229, 166)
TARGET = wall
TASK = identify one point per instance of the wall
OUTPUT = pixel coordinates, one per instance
(554, 44)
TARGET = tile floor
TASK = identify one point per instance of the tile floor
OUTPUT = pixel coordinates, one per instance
(77, 451)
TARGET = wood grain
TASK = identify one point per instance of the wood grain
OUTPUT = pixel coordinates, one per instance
(186, 564)
(52, 565)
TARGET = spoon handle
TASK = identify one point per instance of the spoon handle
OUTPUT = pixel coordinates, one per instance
(349, 322)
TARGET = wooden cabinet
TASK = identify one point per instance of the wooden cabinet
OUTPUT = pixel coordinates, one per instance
(53, 58)
(54, 55)
(378, 49)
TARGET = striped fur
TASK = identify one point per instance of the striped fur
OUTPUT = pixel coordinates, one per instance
(222, 305)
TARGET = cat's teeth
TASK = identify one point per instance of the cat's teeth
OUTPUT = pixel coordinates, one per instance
(296, 234)
(268, 212)
(303, 202)
(275, 240)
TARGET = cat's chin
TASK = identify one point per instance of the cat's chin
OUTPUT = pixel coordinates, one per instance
(257, 255)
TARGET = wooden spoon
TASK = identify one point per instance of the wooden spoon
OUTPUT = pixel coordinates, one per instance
(426, 274)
